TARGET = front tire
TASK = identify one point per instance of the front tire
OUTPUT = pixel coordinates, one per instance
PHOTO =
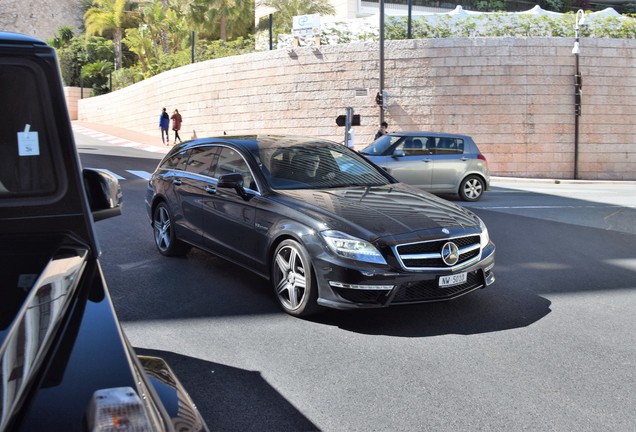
(293, 279)
(164, 233)
(472, 188)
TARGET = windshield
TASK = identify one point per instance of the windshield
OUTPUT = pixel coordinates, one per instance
(316, 166)
(381, 145)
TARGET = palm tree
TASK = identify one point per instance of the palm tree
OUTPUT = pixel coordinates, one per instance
(140, 43)
(225, 18)
(109, 16)
(63, 37)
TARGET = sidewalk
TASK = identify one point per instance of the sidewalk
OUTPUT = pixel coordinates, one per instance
(126, 134)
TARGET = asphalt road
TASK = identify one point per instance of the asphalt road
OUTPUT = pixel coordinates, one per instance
(550, 346)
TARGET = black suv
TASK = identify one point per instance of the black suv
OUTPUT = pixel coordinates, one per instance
(65, 362)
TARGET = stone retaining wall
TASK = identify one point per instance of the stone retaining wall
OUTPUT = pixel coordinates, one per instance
(73, 95)
(514, 96)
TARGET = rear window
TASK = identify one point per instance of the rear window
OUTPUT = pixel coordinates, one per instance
(26, 158)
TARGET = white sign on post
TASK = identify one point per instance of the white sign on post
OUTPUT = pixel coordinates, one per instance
(306, 25)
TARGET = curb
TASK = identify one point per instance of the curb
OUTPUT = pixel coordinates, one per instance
(497, 179)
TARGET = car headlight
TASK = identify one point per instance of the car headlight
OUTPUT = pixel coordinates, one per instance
(485, 237)
(351, 247)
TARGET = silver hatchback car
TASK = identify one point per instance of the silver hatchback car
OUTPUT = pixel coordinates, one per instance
(440, 163)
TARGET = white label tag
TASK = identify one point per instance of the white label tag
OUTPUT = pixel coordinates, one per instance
(28, 144)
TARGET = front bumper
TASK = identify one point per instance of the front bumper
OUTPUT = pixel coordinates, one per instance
(342, 286)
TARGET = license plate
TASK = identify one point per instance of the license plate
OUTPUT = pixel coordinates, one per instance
(452, 280)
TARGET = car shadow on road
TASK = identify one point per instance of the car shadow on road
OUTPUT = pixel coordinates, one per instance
(483, 311)
(219, 391)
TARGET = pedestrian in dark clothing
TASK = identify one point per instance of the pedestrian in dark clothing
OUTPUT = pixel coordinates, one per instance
(176, 125)
(164, 124)
(382, 131)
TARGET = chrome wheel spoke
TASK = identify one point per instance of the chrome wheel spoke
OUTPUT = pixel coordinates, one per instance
(283, 265)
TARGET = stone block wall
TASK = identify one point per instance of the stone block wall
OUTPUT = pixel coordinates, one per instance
(514, 96)
(73, 95)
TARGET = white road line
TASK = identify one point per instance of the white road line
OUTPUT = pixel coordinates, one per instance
(143, 174)
(117, 176)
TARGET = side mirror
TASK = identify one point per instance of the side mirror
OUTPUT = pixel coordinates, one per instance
(399, 153)
(103, 192)
(234, 181)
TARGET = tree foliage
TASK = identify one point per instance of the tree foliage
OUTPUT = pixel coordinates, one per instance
(110, 16)
(286, 10)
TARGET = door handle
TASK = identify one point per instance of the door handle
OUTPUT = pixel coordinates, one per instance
(427, 160)
(177, 182)
(210, 189)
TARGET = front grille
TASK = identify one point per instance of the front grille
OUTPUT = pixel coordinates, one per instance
(427, 255)
(430, 291)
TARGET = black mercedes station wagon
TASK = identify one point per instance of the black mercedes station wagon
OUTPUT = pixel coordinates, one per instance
(66, 364)
(326, 226)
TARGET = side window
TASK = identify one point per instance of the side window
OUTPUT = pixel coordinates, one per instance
(177, 161)
(414, 146)
(447, 145)
(230, 161)
(201, 159)
(26, 154)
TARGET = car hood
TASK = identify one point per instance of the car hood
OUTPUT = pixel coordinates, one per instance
(395, 210)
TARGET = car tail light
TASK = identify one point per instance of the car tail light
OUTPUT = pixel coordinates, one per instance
(117, 409)
(482, 157)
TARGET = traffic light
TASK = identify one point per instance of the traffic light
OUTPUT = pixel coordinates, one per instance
(378, 98)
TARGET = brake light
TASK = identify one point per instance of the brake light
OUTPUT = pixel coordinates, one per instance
(482, 157)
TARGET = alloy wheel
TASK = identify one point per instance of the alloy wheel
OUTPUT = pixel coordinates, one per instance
(291, 277)
(472, 189)
(162, 228)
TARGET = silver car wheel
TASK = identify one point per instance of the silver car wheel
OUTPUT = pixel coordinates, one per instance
(293, 280)
(472, 188)
(164, 232)
(162, 228)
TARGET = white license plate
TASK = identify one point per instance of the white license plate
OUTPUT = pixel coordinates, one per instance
(452, 280)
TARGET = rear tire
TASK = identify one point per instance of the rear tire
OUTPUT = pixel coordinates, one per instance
(164, 233)
(472, 188)
(293, 279)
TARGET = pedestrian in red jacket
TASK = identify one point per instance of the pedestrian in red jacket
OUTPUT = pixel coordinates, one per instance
(176, 125)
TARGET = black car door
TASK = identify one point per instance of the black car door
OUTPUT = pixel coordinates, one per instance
(194, 187)
(228, 220)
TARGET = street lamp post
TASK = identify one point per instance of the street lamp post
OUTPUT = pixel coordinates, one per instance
(381, 56)
(579, 20)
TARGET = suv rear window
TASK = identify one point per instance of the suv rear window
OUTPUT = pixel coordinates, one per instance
(26, 165)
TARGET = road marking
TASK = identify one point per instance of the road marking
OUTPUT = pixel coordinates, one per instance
(117, 176)
(143, 174)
